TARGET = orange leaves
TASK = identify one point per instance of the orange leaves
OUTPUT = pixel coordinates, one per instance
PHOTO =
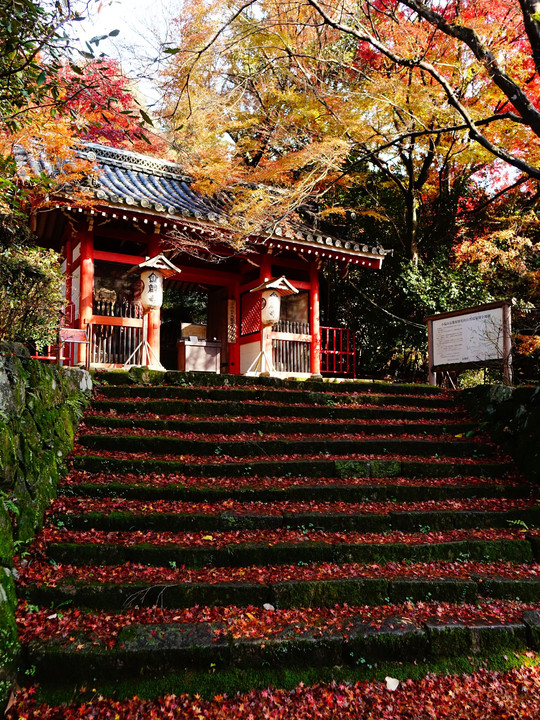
(501, 248)
(527, 344)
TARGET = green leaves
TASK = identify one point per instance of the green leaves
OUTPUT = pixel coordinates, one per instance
(30, 293)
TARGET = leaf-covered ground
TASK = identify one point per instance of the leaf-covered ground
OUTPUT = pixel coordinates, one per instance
(45, 572)
(484, 695)
(78, 477)
(259, 622)
(88, 499)
(214, 539)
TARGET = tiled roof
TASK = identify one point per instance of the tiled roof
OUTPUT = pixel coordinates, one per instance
(151, 183)
(159, 186)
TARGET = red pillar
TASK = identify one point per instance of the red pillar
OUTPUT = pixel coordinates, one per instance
(233, 324)
(266, 332)
(87, 285)
(154, 316)
(315, 320)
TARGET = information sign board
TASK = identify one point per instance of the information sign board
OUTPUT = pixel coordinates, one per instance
(474, 337)
(469, 338)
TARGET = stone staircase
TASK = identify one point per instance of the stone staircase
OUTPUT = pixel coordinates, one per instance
(213, 525)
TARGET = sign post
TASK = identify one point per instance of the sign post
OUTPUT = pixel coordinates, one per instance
(473, 337)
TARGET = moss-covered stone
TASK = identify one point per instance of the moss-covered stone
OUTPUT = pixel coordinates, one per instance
(394, 638)
(508, 589)
(8, 456)
(39, 410)
(351, 468)
(75, 658)
(327, 593)
(157, 648)
(458, 591)
(448, 639)
(519, 551)
(497, 637)
(291, 647)
(9, 645)
(531, 618)
(6, 532)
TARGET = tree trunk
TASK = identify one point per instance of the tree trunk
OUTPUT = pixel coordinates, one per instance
(412, 204)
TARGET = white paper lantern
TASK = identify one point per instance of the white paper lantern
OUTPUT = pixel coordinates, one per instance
(270, 308)
(152, 292)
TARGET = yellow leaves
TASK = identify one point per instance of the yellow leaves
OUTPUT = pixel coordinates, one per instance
(503, 247)
(374, 214)
(527, 344)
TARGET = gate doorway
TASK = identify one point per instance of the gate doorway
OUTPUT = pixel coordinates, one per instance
(193, 311)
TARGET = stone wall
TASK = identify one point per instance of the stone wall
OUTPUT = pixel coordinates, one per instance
(512, 417)
(40, 406)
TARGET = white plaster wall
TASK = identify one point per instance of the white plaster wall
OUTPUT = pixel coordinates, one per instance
(248, 353)
(76, 290)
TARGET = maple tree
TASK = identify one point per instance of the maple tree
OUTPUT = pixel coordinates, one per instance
(306, 96)
(381, 119)
(101, 102)
(49, 100)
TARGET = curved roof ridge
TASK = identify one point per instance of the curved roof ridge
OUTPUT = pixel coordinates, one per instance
(129, 160)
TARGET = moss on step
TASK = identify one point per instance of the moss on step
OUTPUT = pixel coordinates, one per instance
(209, 683)
(153, 650)
(247, 554)
(409, 521)
(394, 638)
(317, 493)
(290, 468)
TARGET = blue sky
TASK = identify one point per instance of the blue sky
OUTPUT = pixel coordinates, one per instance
(141, 24)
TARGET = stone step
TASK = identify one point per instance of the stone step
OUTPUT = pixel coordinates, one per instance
(196, 503)
(206, 408)
(341, 467)
(157, 649)
(108, 548)
(283, 586)
(255, 426)
(273, 489)
(159, 445)
(221, 520)
(276, 395)
(210, 380)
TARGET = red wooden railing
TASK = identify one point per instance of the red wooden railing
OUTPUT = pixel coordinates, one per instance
(51, 353)
(116, 331)
(338, 354)
(291, 343)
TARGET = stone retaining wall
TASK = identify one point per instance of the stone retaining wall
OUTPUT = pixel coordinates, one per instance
(512, 417)
(40, 406)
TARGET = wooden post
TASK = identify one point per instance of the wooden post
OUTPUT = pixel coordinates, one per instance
(432, 376)
(507, 343)
(314, 310)
(154, 316)
(87, 287)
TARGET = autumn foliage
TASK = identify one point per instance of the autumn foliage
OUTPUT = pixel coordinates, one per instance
(102, 104)
(485, 695)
